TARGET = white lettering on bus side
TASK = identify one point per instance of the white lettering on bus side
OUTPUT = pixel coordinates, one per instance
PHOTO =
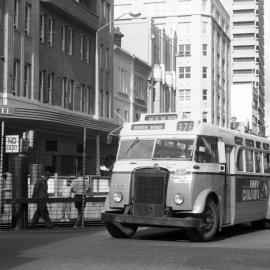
(250, 194)
(254, 183)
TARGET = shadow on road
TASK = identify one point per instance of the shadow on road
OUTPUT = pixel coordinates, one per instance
(165, 234)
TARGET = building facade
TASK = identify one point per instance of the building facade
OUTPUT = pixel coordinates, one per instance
(130, 86)
(202, 60)
(247, 45)
(47, 82)
(157, 48)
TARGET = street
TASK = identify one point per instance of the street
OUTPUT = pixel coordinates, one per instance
(151, 248)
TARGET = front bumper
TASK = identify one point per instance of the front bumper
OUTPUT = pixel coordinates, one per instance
(151, 221)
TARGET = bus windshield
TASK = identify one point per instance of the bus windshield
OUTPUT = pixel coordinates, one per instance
(156, 149)
(174, 149)
(136, 149)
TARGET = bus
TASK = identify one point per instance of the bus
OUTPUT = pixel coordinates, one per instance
(171, 172)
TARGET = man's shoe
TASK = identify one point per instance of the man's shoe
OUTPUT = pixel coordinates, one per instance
(62, 220)
(67, 220)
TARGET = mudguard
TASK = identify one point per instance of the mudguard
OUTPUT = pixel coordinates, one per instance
(199, 204)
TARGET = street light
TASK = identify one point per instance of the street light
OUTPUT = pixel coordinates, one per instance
(132, 14)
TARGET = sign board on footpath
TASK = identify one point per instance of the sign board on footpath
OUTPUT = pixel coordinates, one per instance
(12, 144)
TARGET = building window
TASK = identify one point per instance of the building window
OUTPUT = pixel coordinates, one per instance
(204, 2)
(204, 50)
(41, 28)
(27, 18)
(41, 84)
(64, 33)
(108, 12)
(204, 117)
(48, 93)
(184, 95)
(64, 91)
(184, 50)
(107, 59)
(184, 72)
(51, 31)
(27, 80)
(16, 14)
(100, 56)
(70, 96)
(107, 104)
(204, 96)
(70, 41)
(15, 86)
(81, 47)
(204, 27)
(87, 50)
(101, 101)
(204, 72)
(91, 100)
(83, 99)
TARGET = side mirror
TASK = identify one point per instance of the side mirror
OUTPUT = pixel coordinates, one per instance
(221, 152)
(109, 139)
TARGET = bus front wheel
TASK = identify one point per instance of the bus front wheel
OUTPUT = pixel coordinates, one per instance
(121, 230)
(209, 225)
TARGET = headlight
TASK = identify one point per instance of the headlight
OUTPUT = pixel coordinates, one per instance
(178, 198)
(117, 197)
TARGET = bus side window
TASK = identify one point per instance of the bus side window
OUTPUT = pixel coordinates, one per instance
(239, 160)
(258, 162)
(266, 162)
(206, 150)
(249, 160)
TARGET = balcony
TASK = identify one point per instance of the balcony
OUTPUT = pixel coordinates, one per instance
(78, 12)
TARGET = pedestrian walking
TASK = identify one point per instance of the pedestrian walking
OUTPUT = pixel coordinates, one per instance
(65, 192)
(41, 192)
(79, 187)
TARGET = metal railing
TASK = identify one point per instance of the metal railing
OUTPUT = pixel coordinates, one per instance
(16, 213)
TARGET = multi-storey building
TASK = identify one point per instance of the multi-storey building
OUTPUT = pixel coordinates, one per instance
(157, 48)
(203, 53)
(247, 45)
(47, 81)
(131, 76)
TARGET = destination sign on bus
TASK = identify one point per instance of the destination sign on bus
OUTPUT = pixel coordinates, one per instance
(185, 125)
(148, 126)
(158, 117)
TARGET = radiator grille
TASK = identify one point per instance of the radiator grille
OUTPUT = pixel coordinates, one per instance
(149, 192)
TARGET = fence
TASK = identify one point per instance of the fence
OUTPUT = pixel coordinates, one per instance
(17, 212)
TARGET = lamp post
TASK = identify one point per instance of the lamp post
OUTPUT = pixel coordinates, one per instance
(132, 14)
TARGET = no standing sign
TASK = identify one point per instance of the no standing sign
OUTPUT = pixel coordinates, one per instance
(12, 144)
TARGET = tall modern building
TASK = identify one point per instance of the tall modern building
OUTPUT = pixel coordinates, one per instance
(203, 53)
(247, 46)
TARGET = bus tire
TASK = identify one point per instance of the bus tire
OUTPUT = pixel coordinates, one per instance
(121, 230)
(259, 224)
(209, 225)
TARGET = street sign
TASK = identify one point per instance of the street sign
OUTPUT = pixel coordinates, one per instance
(12, 143)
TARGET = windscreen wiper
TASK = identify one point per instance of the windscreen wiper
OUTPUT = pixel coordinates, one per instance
(132, 144)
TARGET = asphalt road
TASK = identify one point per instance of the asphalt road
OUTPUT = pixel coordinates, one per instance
(151, 248)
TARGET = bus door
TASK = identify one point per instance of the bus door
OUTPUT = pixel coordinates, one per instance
(227, 185)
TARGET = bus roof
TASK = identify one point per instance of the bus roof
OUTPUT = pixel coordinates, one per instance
(169, 124)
